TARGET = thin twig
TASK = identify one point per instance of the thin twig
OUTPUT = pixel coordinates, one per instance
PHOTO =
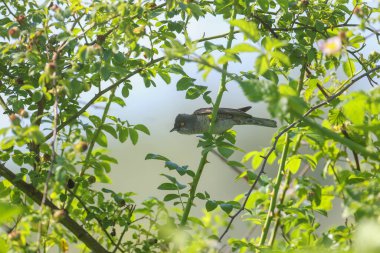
(35, 195)
(102, 92)
(356, 157)
(131, 210)
(285, 130)
(238, 171)
(218, 100)
(53, 152)
(9, 9)
(95, 217)
(266, 26)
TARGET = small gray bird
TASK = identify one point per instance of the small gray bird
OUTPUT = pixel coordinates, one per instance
(226, 118)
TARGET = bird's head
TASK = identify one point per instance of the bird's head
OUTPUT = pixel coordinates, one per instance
(184, 123)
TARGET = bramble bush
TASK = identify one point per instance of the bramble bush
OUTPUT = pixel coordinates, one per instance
(54, 152)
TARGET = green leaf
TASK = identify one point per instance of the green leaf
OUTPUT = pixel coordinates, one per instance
(37, 96)
(242, 48)
(281, 57)
(264, 5)
(200, 195)
(109, 129)
(225, 152)
(248, 28)
(261, 64)
(185, 82)
(195, 92)
(123, 134)
(226, 207)
(209, 46)
(171, 165)
(7, 143)
(8, 211)
(168, 187)
(4, 246)
(105, 73)
(156, 157)
(165, 76)
(82, 53)
(101, 139)
(349, 67)
(211, 205)
(142, 128)
(133, 135)
(170, 197)
(118, 101)
(125, 91)
(293, 164)
(336, 117)
(257, 90)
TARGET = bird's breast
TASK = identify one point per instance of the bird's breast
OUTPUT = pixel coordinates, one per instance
(221, 124)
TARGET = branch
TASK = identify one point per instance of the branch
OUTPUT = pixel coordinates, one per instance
(215, 109)
(276, 189)
(285, 130)
(95, 217)
(66, 221)
(84, 108)
(9, 9)
(266, 26)
(91, 146)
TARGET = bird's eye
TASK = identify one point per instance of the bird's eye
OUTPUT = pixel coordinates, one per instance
(182, 124)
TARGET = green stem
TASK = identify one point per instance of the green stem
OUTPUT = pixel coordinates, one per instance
(276, 189)
(282, 198)
(216, 106)
(328, 134)
(91, 147)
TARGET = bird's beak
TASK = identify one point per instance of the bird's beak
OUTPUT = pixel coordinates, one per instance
(174, 129)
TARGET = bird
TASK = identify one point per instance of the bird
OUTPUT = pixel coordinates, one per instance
(199, 121)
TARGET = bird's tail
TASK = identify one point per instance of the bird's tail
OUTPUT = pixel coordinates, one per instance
(260, 122)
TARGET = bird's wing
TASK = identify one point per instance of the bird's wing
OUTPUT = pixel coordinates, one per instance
(224, 112)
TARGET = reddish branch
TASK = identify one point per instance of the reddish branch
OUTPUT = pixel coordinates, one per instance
(66, 221)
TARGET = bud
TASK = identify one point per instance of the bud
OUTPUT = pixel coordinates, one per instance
(113, 232)
(23, 113)
(50, 68)
(121, 203)
(14, 119)
(100, 38)
(59, 214)
(14, 235)
(45, 158)
(81, 146)
(14, 32)
(54, 7)
(91, 179)
(342, 35)
(310, 196)
(139, 31)
(21, 19)
(358, 11)
(70, 183)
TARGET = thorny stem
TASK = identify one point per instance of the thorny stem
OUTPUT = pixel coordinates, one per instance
(276, 189)
(86, 164)
(218, 100)
(285, 130)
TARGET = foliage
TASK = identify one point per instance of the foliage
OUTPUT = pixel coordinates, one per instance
(54, 53)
